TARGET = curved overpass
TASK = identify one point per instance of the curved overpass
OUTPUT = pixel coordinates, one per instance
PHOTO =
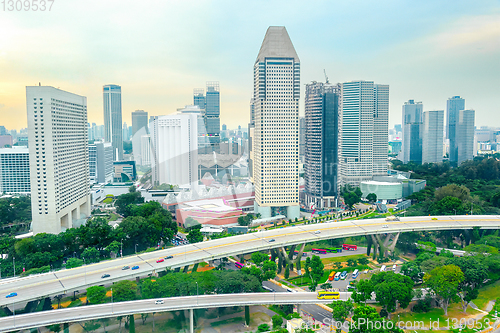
(45, 318)
(64, 281)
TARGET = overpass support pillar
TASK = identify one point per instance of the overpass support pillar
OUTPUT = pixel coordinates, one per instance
(299, 308)
(195, 267)
(186, 268)
(299, 257)
(191, 325)
(177, 270)
(66, 327)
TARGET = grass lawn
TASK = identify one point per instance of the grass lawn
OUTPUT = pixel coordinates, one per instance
(327, 261)
(488, 293)
(454, 311)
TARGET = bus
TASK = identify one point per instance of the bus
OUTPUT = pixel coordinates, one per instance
(239, 265)
(343, 275)
(333, 249)
(319, 251)
(328, 294)
(355, 274)
(304, 254)
(349, 247)
(331, 276)
(337, 276)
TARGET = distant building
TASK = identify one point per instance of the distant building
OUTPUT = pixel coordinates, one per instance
(392, 187)
(412, 131)
(92, 164)
(58, 148)
(124, 171)
(146, 150)
(15, 170)
(113, 131)
(209, 105)
(139, 121)
(6, 140)
(432, 143)
(302, 138)
(101, 163)
(465, 136)
(453, 106)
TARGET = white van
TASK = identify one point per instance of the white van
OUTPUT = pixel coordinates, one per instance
(394, 267)
(382, 268)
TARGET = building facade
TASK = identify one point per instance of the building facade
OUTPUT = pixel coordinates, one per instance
(113, 131)
(175, 145)
(453, 106)
(15, 170)
(275, 145)
(321, 144)
(209, 105)
(58, 152)
(465, 135)
(432, 142)
(412, 131)
(364, 131)
(104, 162)
(139, 121)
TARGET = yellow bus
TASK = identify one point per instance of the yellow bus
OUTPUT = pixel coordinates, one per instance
(330, 277)
(328, 295)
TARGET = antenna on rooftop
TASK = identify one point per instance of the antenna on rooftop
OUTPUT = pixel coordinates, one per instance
(326, 77)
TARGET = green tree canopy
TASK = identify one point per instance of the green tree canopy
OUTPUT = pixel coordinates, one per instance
(445, 281)
(96, 294)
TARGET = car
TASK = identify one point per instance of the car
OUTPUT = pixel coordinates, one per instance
(125, 267)
(394, 267)
(271, 240)
(160, 301)
(169, 257)
(105, 276)
(11, 295)
(385, 226)
(434, 218)
(392, 218)
(317, 232)
(160, 260)
(135, 267)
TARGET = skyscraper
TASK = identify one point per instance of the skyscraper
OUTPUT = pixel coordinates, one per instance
(276, 134)
(15, 170)
(432, 143)
(412, 131)
(321, 144)
(112, 99)
(57, 133)
(465, 135)
(453, 106)
(210, 108)
(139, 121)
(364, 127)
(302, 138)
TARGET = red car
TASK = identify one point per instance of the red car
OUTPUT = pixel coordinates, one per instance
(160, 260)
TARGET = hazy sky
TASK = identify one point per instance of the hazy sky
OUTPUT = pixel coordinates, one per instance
(158, 51)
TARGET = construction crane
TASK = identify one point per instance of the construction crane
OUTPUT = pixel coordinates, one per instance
(326, 77)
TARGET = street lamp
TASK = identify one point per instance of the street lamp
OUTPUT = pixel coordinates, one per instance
(111, 299)
(121, 247)
(196, 291)
(14, 264)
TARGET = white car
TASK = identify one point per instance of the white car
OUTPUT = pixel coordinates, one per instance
(385, 226)
(160, 301)
(317, 232)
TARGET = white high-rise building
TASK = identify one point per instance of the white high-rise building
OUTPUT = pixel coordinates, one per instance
(275, 145)
(175, 144)
(146, 150)
(432, 142)
(15, 170)
(364, 131)
(58, 149)
(465, 135)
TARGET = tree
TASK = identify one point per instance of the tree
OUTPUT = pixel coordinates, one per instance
(247, 315)
(448, 206)
(263, 328)
(372, 197)
(91, 254)
(351, 262)
(413, 271)
(54, 328)
(96, 294)
(113, 247)
(363, 261)
(341, 311)
(444, 282)
(124, 291)
(315, 269)
(125, 202)
(258, 258)
(277, 321)
(243, 221)
(195, 236)
(287, 272)
(390, 288)
(73, 262)
(366, 319)
(480, 249)
(269, 269)
(452, 190)
(363, 291)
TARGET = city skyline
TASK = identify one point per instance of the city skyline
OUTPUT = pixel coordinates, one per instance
(425, 52)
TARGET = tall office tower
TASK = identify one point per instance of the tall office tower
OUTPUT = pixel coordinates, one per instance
(15, 170)
(251, 135)
(146, 150)
(57, 134)
(104, 162)
(453, 106)
(125, 132)
(412, 131)
(433, 130)
(380, 129)
(199, 98)
(321, 144)
(90, 133)
(212, 114)
(175, 145)
(203, 140)
(465, 135)
(113, 131)
(276, 135)
(92, 164)
(364, 127)
(139, 121)
(302, 138)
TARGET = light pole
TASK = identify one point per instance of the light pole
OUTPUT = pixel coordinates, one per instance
(121, 247)
(14, 264)
(135, 248)
(196, 292)
(111, 299)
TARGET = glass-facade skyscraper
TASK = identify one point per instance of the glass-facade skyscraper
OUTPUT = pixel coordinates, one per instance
(210, 109)
(453, 106)
(112, 106)
(412, 131)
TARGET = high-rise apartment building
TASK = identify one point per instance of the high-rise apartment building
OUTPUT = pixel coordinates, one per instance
(432, 142)
(465, 135)
(275, 145)
(364, 127)
(92, 164)
(58, 148)
(175, 145)
(453, 106)
(113, 131)
(15, 170)
(321, 144)
(412, 131)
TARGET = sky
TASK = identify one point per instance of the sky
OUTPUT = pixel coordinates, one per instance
(158, 51)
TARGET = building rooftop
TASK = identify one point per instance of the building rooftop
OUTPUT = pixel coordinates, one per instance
(277, 44)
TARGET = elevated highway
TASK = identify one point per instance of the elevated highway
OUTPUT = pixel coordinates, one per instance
(45, 318)
(65, 281)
